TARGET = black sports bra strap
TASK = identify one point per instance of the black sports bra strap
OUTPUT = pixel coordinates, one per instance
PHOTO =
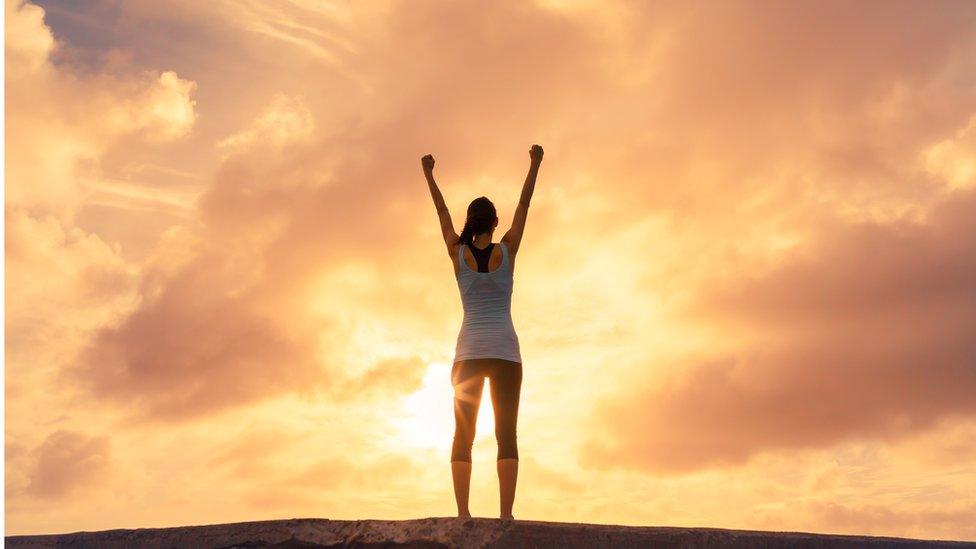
(482, 256)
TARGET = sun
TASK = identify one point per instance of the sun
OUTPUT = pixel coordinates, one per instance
(428, 418)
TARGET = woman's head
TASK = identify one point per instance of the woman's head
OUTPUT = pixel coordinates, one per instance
(481, 219)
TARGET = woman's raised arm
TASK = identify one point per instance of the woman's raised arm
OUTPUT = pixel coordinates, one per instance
(514, 235)
(447, 226)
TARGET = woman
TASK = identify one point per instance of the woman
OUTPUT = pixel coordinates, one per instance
(487, 345)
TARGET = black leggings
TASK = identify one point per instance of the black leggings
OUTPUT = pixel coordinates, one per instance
(468, 379)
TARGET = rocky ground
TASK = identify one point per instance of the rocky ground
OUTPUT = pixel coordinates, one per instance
(453, 532)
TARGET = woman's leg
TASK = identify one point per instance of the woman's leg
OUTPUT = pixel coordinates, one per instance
(461, 471)
(468, 381)
(506, 386)
(507, 477)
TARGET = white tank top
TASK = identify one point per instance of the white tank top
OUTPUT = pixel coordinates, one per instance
(487, 330)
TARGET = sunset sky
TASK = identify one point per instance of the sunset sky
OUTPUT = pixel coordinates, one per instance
(745, 296)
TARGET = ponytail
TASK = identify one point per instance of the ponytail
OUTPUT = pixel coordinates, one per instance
(467, 234)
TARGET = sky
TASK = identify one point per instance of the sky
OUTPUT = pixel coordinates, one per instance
(745, 295)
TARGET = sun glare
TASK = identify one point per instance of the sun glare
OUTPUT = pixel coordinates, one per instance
(428, 421)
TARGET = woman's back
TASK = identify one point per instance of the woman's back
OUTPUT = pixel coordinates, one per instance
(486, 297)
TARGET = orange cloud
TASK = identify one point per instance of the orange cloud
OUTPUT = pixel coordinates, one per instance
(867, 334)
(67, 461)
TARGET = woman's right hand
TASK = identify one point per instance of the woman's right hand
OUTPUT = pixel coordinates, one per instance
(427, 162)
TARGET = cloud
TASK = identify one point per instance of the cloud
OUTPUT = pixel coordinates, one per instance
(163, 111)
(66, 120)
(342, 471)
(64, 281)
(396, 375)
(348, 478)
(954, 159)
(865, 333)
(951, 520)
(194, 351)
(253, 452)
(66, 462)
(749, 117)
(28, 41)
(232, 324)
(286, 120)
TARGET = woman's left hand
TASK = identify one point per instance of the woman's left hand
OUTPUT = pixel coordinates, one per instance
(535, 153)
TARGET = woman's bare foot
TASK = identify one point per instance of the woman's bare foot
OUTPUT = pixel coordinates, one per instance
(464, 515)
(507, 517)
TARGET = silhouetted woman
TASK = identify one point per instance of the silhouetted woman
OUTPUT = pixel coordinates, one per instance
(487, 345)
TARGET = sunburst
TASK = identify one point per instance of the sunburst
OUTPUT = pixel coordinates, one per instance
(428, 421)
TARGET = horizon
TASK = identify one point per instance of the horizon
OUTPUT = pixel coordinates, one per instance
(745, 295)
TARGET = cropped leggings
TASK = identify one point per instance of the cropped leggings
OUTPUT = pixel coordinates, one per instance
(468, 378)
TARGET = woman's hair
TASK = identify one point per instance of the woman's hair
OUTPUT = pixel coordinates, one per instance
(481, 216)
